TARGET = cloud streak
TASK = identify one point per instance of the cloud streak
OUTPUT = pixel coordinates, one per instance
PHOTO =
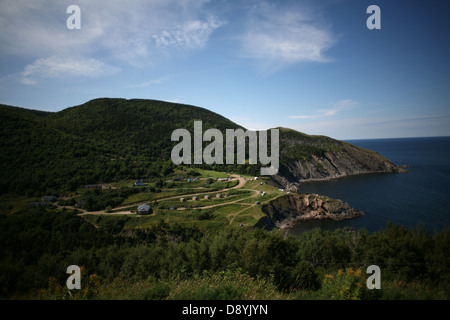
(337, 107)
(377, 127)
(59, 67)
(282, 35)
(151, 82)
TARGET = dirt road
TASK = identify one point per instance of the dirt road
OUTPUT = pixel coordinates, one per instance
(241, 183)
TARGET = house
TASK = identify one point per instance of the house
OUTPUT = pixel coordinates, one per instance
(48, 198)
(206, 196)
(194, 198)
(182, 200)
(143, 209)
(256, 178)
(218, 195)
(257, 202)
(139, 183)
(226, 196)
(222, 179)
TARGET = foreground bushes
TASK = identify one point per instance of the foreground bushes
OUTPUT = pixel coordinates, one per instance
(163, 262)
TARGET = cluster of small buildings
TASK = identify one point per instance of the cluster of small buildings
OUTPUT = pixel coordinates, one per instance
(206, 197)
(45, 200)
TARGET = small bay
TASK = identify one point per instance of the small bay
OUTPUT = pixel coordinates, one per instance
(420, 196)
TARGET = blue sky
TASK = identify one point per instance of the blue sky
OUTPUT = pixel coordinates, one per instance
(312, 66)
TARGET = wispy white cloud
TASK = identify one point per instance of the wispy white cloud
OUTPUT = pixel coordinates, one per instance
(191, 35)
(365, 127)
(65, 67)
(138, 33)
(304, 117)
(337, 107)
(151, 82)
(282, 35)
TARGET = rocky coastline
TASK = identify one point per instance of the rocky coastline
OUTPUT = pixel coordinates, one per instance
(349, 161)
(287, 211)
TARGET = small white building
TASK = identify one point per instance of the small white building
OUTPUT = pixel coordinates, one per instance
(143, 209)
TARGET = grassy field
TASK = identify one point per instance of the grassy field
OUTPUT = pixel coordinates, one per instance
(233, 209)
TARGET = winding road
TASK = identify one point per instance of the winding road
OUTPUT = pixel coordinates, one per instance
(241, 183)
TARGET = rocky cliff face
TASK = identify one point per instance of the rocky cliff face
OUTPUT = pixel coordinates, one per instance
(286, 211)
(307, 158)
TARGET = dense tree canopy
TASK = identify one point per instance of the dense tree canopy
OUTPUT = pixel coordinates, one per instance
(38, 243)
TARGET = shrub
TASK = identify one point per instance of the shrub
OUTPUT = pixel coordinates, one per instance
(158, 291)
(304, 277)
(348, 284)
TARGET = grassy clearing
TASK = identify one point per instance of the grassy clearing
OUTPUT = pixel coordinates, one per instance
(235, 207)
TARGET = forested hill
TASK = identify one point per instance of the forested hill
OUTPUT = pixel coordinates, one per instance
(102, 140)
(134, 127)
(107, 140)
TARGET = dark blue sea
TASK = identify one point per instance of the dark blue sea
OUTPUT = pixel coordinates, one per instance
(420, 196)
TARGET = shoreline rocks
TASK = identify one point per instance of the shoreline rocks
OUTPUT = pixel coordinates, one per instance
(287, 211)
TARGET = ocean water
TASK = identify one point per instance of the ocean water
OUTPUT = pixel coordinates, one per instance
(420, 196)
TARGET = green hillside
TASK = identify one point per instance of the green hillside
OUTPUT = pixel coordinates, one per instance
(102, 140)
(107, 140)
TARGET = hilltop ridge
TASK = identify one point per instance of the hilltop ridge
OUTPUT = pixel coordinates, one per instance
(109, 139)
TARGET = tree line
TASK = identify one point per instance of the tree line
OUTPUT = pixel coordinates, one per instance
(40, 243)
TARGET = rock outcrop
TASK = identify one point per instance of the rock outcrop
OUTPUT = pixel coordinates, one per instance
(286, 211)
(309, 158)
